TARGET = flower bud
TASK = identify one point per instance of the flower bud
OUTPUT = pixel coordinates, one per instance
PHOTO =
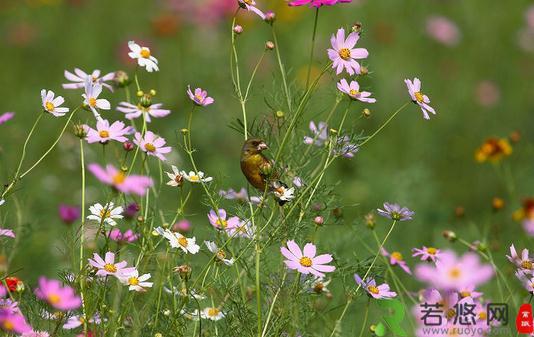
(497, 203)
(269, 45)
(515, 136)
(279, 114)
(364, 71)
(139, 93)
(80, 131)
(238, 29)
(270, 16)
(318, 220)
(184, 131)
(372, 328)
(184, 271)
(449, 235)
(366, 113)
(337, 212)
(121, 79)
(140, 219)
(370, 221)
(318, 206)
(145, 100)
(459, 211)
(357, 27)
(153, 92)
(128, 146)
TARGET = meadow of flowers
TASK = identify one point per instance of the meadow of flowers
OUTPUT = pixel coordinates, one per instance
(265, 168)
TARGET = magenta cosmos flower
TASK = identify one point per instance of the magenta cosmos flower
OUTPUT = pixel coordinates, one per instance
(379, 292)
(414, 89)
(396, 259)
(317, 3)
(7, 232)
(353, 91)
(79, 77)
(427, 253)
(250, 5)
(69, 214)
(135, 111)
(6, 116)
(343, 54)
(199, 97)
(13, 322)
(127, 184)
(127, 237)
(105, 132)
(58, 296)
(107, 265)
(220, 220)
(152, 144)
(306, 261)
(455, 273)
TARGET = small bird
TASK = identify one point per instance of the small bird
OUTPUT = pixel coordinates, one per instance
(258, 170)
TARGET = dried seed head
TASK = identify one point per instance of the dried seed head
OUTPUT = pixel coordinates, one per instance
(449, 235)
(121, 79)
(357, 27)
(80, 131)
(370, 221)
(366, 113)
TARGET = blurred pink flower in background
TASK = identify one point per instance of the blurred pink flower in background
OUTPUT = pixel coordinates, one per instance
(69, 214)
(126, 237)
(118, 179)
(7, 232)
(13, 322)
(6, 116)
(131, 210)
(317, 3)
(203, 12)
(58, 296)
(443, 30)
(487, 93)
(182, 226)
(529, 15)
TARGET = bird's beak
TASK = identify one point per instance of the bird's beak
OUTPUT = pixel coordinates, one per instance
(262, 146)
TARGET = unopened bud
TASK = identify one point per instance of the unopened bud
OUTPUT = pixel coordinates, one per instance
(337, 212)
(357, 27)
(497, 203)
(140, 93)
(80, 131)
(128, 146)
(459, 211)
(366, 113)
(269, 45)
(184, 131)
(370, 221)
(372, 328)
(364, 71)
(184, 271)
(515, 136)
(318, 206)
(238, 29)
(153, 92)
(270, 16)
(449, 235)
(318, 220)
(279, 114)
(121, 79)
(145, 100)
(140, 219)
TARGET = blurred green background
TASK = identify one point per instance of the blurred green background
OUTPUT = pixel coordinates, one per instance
(480, 84)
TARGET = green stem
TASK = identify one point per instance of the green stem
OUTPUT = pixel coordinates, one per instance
(384, 125)
(82, 227)
(365, 318)
(312, 46)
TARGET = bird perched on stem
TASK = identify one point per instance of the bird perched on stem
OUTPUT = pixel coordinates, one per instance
(258, 170)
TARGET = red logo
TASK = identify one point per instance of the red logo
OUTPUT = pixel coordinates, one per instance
(524, 321)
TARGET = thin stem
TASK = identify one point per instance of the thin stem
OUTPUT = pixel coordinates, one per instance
(384, 125)
(282, 70)
(312, 46)
(82, 283)
(272, 305)
(365, 318)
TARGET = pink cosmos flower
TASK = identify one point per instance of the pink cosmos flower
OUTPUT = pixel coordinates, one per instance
(79, 77)
(443, 30)
(455, 273)
(105, 132)
(152, 144)
(395, 258)
(427, 253)
(58, 296)
(135, 111)
(182, 226)
(118, 179)
(35, 334)
(524, 263)
(7, 232)
(317, 3)
(107, 266)
(353, 90)
(220, 220)
(242, 195)
(306, 261)
(414, 89)
(469, 292)
(6, 116)
(77, 320)
(320, 134)
(379, 292)
(90, 98)
(69, 214)
(343, 54)
(13, 322)
(52, 104)
(127, 237)
(200, 97)
(250, 5)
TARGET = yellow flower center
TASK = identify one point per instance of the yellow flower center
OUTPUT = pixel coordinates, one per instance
(221, 254)
(8, 325)
(465, 294)
(92, 102)
(526, 264)
(150, 147)
(183, 241)
(318, 288)
(53, 298)
(482, 315)
(353, 92)
(50, 106)
(110, 268)
(199, 98)
(344, 53)
(455, 273)
(133, 281)
(450, 313)
(373, 290)
(104, 134)
(213, 312)
(397, 256)
(119, 178)
(222, 223)
(305, 261)
(105, 213)
(431, 250)
(419, 97)
(145, 52)
(194, 178)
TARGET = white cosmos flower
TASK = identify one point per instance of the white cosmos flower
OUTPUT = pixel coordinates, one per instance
(317, 285)
(219, 253)
(90, 98)
(2, 201)
(284, 193)
(143, 57)
(176, 177)
(105, 213)
(183, 292)
(211, 313)
(134, 281)
(177, 240)
(193, 315)
(51, 104)
(79, 77)
(195, 178)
